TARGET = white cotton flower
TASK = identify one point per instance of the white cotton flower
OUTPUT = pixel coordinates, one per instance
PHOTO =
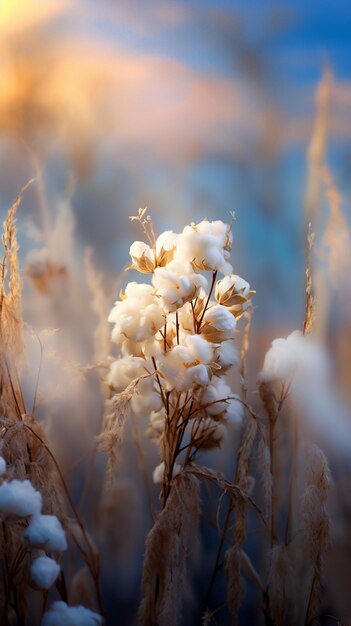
(207, 245)
(157, 474)
(297, 358)
(60, 614)
(44, 572)
(2, 466)
(235, 411)
(234, 292)
(146, 398)
(137, 316)
(177, 283)
(218, 324)
(227, 353)
(124, 370)
(185, 365)
(215, 395)
(146, 259)
(156, 424)
(219, 400)
(45, 531)
(19, 497)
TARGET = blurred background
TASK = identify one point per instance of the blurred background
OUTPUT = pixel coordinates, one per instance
(192, 108)
(189, 108)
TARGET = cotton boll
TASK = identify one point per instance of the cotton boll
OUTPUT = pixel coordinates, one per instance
(143, 257)
(124, 370)
(44, 571)
(207, 245)
(218, 324)
(186, 365)
(18, 497)
(215, 396)
(235, 411)
(156, 424)
(2, 466)
(177, 283)
(158, 473)
(295, 359)
(146, 259)
(146, 398)
(227, 353)
(45, 531)
(234, 292)
(137, 316)
(60, 614)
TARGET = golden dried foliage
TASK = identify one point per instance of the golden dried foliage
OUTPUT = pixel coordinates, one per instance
(116, 413)
(168, 546)
(11, 323)
(315, 523)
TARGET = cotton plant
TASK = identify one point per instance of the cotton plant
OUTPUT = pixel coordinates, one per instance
(176, 330)
(176, 335)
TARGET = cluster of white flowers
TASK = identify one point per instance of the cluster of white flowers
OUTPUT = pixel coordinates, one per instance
(60, 614)
(44, 533)
(18, 498)
(176, 332)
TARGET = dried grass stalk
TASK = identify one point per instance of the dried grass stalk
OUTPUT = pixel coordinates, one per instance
(315, 524)
(236, 589)
(100, 305)
(117, 412)
(168, 546)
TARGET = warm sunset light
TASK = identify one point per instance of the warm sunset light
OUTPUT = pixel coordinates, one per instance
(175, 328)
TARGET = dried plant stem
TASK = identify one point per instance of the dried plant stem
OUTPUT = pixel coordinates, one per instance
(142, 464)
(91, 558)
(198, 326)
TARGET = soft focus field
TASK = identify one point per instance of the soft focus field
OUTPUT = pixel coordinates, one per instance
(212, 113)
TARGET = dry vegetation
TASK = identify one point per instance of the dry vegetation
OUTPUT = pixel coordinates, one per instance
(267, 519)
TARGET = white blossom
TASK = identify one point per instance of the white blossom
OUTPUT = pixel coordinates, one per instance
(177, 283)
(294, 359)
(186, 365)
(146, 398)
(45, 531)
(60, 614)
(19, 497)
(146, 258)
(227, 353)
(124, 370)
(44, 571)
(157, 474)
(234, 292)
(207, 245)
(218, 399)
(218, 324)
(137, 316)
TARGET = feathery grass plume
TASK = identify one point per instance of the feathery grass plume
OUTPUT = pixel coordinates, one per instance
(264, 463)
(280, 574)
(337, 239)
(316, 158)
(315, 525)
(235, 592)
(100, 304)
(310, 298)
(168, 546)
(317, 147)
(11, 323)
(117, 410)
